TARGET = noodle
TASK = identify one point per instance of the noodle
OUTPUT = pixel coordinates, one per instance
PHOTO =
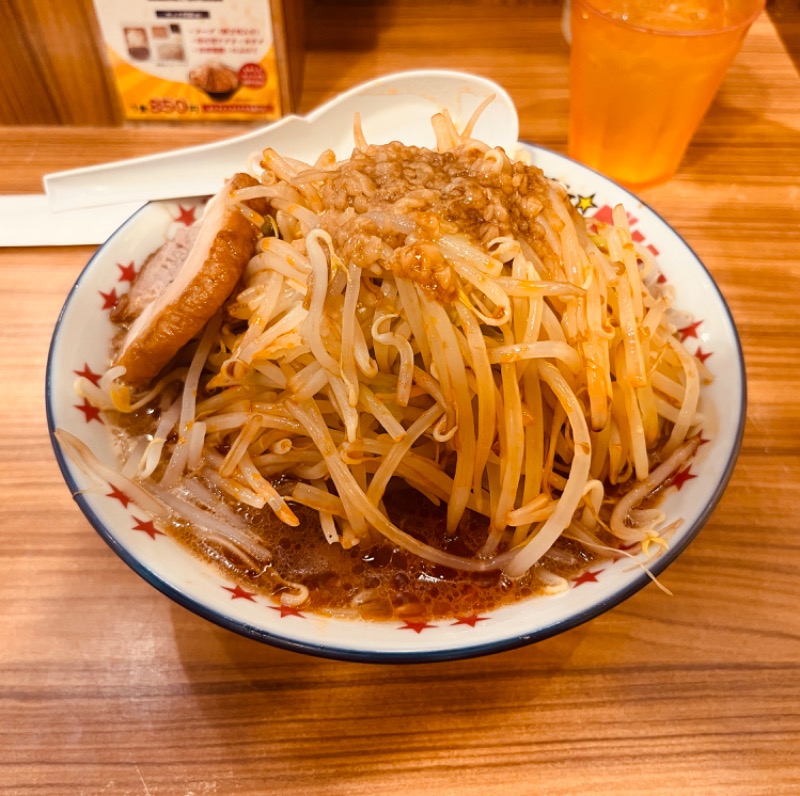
(441, 318)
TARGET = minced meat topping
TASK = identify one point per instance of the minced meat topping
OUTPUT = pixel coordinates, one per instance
(386, 204)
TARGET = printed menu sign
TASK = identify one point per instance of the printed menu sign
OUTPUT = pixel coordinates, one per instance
(192, 59)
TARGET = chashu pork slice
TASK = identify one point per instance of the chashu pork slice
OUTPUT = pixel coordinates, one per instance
(184, 283)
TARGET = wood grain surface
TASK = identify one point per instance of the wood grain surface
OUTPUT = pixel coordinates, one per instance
(106, 687)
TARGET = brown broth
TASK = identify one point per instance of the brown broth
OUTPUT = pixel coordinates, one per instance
(378, 581)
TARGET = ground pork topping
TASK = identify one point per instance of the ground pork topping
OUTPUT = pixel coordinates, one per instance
(388, 204)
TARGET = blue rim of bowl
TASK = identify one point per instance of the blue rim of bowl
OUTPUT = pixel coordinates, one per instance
(343, 653)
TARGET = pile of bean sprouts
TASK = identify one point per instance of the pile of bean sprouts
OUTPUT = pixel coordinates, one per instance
(538, 383)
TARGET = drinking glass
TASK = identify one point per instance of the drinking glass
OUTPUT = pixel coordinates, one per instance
(642, 76)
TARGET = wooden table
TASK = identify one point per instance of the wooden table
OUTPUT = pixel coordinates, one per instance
(106, 687)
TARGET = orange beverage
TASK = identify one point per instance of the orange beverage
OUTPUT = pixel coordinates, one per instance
(642, 75)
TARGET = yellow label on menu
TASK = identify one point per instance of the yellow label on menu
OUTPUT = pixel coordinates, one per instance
(192, 59)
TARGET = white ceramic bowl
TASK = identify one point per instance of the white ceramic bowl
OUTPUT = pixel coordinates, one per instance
(80, 345)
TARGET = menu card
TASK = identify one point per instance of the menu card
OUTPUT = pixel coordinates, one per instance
(195, 59)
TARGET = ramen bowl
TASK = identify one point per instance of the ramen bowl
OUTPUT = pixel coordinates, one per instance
(80, 347)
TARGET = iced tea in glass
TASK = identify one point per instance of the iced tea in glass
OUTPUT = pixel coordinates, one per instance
(642, 75)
